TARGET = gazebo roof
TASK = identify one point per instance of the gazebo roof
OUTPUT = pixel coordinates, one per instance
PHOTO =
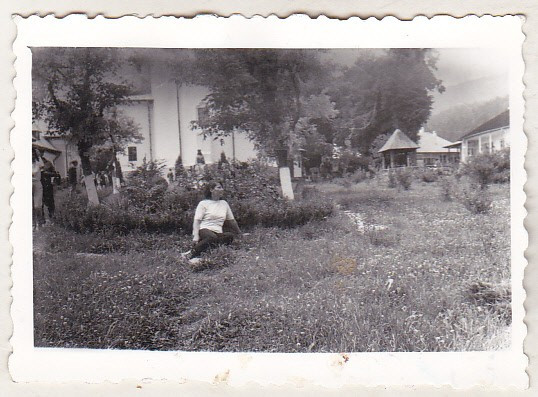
(398, 140)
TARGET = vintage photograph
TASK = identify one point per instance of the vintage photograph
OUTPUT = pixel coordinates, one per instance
(271, 200)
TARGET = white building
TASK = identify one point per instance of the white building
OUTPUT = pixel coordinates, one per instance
(164, 112)
(489, 137)
(165, 115)
(433, 150)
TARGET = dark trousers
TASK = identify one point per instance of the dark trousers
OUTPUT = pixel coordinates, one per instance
(210, 239)
(48, 199)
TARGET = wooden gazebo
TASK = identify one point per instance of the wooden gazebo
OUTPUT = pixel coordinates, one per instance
(399, 151)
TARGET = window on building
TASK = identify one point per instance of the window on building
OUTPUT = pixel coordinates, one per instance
(472, 147)
(131, 153)
(485, 146)
(203, 116)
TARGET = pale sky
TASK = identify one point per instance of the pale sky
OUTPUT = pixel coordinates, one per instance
(462, 64)
(455, 65)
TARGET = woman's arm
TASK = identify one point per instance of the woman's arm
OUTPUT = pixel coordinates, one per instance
(232, 223)
(230, 220)
(199, 214)
(196, 230)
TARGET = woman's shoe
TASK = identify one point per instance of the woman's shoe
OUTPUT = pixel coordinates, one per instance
(194, 261)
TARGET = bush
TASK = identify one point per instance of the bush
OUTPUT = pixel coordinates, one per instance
(112, 220)
(240, 180)
(392, 183)
(150, 207)
(475, 199)
(404, 177)
(359, 176)
(429, 175)
(145, 186)
(486, 168)
(281, 213)
(447, 186)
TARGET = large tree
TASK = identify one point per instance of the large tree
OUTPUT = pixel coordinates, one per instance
(265, 94)
(382, 91)
(77, 92)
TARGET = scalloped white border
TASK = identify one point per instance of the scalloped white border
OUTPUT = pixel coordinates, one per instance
(459, 370)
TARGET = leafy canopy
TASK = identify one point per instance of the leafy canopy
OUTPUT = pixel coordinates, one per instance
(77, 91)
(384, 91)
(264, 93)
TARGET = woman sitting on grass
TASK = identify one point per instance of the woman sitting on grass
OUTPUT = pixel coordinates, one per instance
(209, 218)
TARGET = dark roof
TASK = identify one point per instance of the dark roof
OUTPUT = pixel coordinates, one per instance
(499, 121)
(454, 145)
(398, 140)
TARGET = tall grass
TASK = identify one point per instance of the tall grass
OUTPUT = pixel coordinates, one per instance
(435, 279)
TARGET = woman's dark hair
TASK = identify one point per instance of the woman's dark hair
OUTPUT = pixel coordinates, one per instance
(208, 187)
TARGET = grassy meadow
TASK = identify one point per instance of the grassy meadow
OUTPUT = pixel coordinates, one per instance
(390, 270)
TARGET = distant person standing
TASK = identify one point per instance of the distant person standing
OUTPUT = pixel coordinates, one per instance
(102, 179)
(37, 189)
(72, 176)
(200, 163)
(170, 176)
(47, 176)
(200, 158)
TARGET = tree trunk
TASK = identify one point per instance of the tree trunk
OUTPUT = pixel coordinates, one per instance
(89, 178)
(284, 174)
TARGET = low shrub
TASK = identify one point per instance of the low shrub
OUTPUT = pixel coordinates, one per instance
(281, 213)
(476, 200)
(447, 186)
(501, 176)
(145, 186)
(488, 168)
(429, 175)
(495, 298)
(392, 181)
(359, 176)
(310, 192)
(404, 176)
(173, 212)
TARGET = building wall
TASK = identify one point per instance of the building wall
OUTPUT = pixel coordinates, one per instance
(237, 147)
(156, 114)
(486, 142)
(141, 112)
(437, 157)
(190, 98)
(165, 134)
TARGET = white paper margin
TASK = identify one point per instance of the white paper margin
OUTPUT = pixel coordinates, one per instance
(459, 370)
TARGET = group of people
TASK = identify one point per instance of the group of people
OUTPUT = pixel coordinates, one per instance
(44, 177)
(213, 225)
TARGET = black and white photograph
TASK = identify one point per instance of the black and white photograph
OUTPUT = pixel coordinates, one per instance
(272, 200)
